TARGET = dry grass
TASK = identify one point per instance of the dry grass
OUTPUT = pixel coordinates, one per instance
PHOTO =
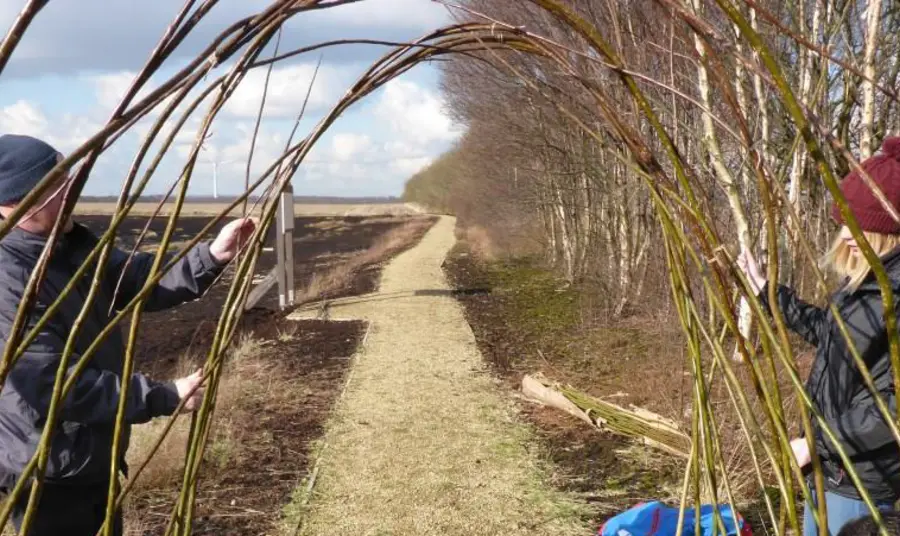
(480, 242)
(338, 277)
(247, 379)
(165, 468)
(289, 333)
(423, 442)
(335, 225)
(212, 209)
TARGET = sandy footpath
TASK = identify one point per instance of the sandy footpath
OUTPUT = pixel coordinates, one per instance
(424, 442)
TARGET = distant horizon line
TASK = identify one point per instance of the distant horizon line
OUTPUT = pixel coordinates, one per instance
(320, 199)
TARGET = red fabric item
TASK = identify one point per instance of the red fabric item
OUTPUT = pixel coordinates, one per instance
(884, 169)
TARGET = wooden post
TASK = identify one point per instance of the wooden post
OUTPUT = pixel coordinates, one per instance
(287, 201)
(284, 247)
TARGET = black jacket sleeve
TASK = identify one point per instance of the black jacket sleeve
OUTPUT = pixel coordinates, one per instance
(186, 281)
(95, 396)
(861, 429)
(800, 317)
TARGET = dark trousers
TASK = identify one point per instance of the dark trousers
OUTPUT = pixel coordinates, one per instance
(66, 510)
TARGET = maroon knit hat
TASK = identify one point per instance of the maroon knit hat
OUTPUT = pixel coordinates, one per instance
(884, 169)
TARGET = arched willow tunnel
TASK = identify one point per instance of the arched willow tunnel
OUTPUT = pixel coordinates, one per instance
(731, 137)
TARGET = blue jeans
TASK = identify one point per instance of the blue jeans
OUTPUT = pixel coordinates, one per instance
(841, 511)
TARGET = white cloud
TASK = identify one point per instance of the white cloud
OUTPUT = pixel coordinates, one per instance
(233, 154)
(23, 117)
(347, 145)
(287, 90)
(415, 113)
(372, 150)
(418, 15)
(111, 87)
(116, 35)
(73, 131)
(407, 167)
(407, 158)
(226, 156)
(415, 131)
(67, 132)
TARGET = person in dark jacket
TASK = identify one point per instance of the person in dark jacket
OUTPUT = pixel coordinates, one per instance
(835, 383)
(77, 476)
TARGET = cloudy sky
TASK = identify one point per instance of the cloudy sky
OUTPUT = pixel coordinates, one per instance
(79, 56)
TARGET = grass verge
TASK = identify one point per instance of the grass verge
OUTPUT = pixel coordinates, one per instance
(334, 281)
(525, 321)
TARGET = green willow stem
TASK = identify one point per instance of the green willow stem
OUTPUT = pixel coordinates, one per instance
(727, 312)
(128, 365)
(697, 250)
(257, 244)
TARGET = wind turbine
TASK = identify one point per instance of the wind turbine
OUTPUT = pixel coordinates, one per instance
(215, 165)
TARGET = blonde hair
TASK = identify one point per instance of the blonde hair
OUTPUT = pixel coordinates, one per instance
(841, 261)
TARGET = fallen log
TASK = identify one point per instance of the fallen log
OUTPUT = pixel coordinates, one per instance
(645, 426)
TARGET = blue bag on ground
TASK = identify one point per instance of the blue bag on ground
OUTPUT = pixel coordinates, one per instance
(657, 519)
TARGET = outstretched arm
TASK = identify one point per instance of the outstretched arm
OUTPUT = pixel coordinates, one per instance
(188, 279)
(801, 317)
(95, 396)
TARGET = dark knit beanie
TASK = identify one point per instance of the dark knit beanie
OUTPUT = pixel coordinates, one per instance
(24, 161)
(884, 169)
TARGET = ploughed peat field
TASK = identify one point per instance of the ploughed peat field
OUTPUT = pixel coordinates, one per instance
(281, 381)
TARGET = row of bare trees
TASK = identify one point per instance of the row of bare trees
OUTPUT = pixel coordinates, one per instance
(527, 172)
(658, 139)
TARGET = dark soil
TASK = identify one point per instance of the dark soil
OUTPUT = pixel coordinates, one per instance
(319, 243)
(246, 496)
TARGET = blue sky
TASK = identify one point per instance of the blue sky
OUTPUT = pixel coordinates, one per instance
(79, 56)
